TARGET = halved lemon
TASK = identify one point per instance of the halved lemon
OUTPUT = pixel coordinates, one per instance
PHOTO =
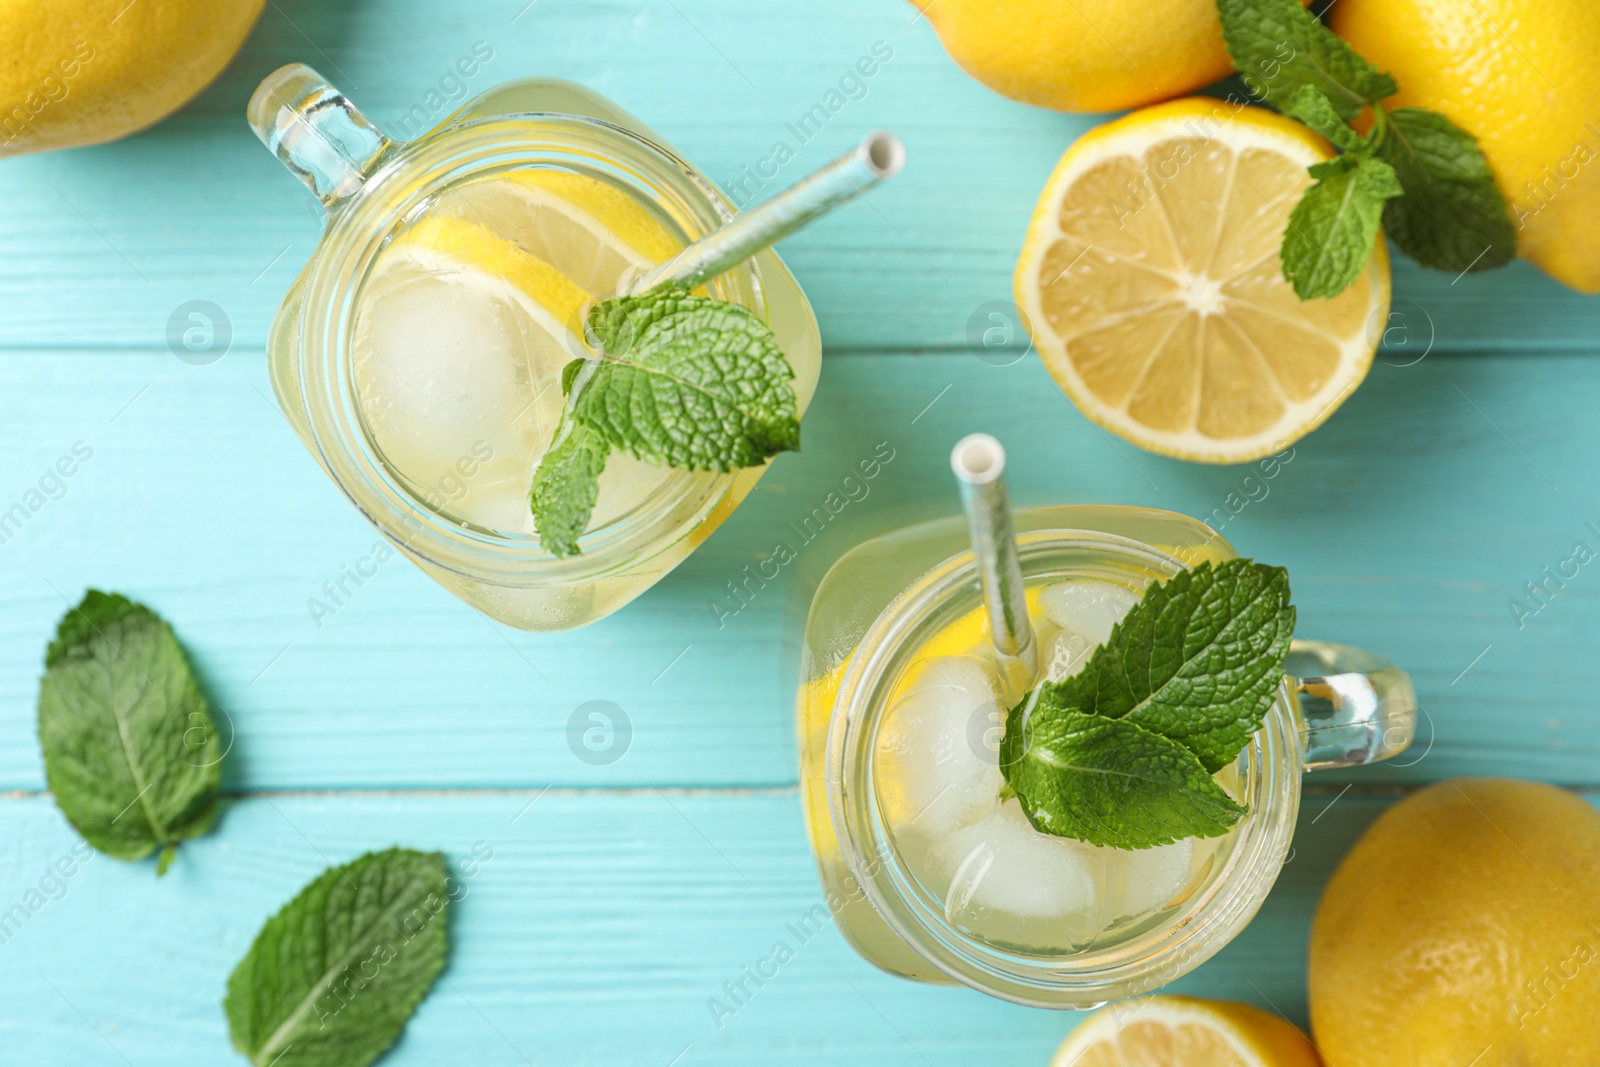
(1185, 1032)
(1151, 284)
(596, 232)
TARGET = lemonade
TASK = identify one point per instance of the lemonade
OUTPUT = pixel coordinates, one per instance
(418, 355)
(466, 323)
(965, 838)
(929, 866)
(925, 730)
(947, 814)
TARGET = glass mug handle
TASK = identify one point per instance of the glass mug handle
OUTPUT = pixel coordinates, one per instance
(316, 132)
(1355, 707)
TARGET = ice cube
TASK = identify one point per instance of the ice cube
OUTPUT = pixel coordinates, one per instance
(1005, 877)
(453, 392)
(498, 505)
(1005, 882)
(937, 750)
(1085, 607)
(1003, 864)
(624, 485)
(459, 380)
(1141, 881)
(1065, 653)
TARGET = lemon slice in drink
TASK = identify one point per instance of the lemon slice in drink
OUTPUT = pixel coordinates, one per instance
(453, 244)
(460, 340)
(1184, 1032)
(1152, 287)
(591, 228)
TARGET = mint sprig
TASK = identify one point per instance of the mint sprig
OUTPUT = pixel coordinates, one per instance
(332, 978)
(1455, 210)
(1424, 177)
(1109, 781)
(1334, 226)
(1198, 659)
(1278, 47)
(681, 381)
(566, 486)
(130, 751)
(1309, 105)
(1122, 753)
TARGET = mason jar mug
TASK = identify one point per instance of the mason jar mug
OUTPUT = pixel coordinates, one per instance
(895, 605)
(559, 135)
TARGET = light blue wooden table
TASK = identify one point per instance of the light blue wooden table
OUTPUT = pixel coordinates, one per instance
(620, 898)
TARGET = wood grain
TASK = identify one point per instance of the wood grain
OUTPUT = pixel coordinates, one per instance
(198, 209)
(596, 934)
(1409, 522)
(612, 908)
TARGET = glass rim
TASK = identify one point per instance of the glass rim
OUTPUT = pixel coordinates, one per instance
(1181, 941)
(357, 231)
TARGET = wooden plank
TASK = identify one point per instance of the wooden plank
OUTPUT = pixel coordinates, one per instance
(1408, 522)
(607, 918)
(595, 934)
(199, 210)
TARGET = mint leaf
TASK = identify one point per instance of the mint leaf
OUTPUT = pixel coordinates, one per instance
(569, 374)
(687, 381)
(1310, 106)
(1453, 216)
(130, 751)
(683, 381)
(332, 978)
(1278, 46)
(1122, 753)
(1334, 226)
(1109, 781)
(566, 486)
(1198, 660)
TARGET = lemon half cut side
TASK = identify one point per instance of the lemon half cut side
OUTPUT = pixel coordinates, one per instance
(1169, 1031)
(1151, 283)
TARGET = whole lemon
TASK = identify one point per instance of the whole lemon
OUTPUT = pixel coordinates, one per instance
(81, 72)
(1084, 55)
(1523, 76)
(1463, 928)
